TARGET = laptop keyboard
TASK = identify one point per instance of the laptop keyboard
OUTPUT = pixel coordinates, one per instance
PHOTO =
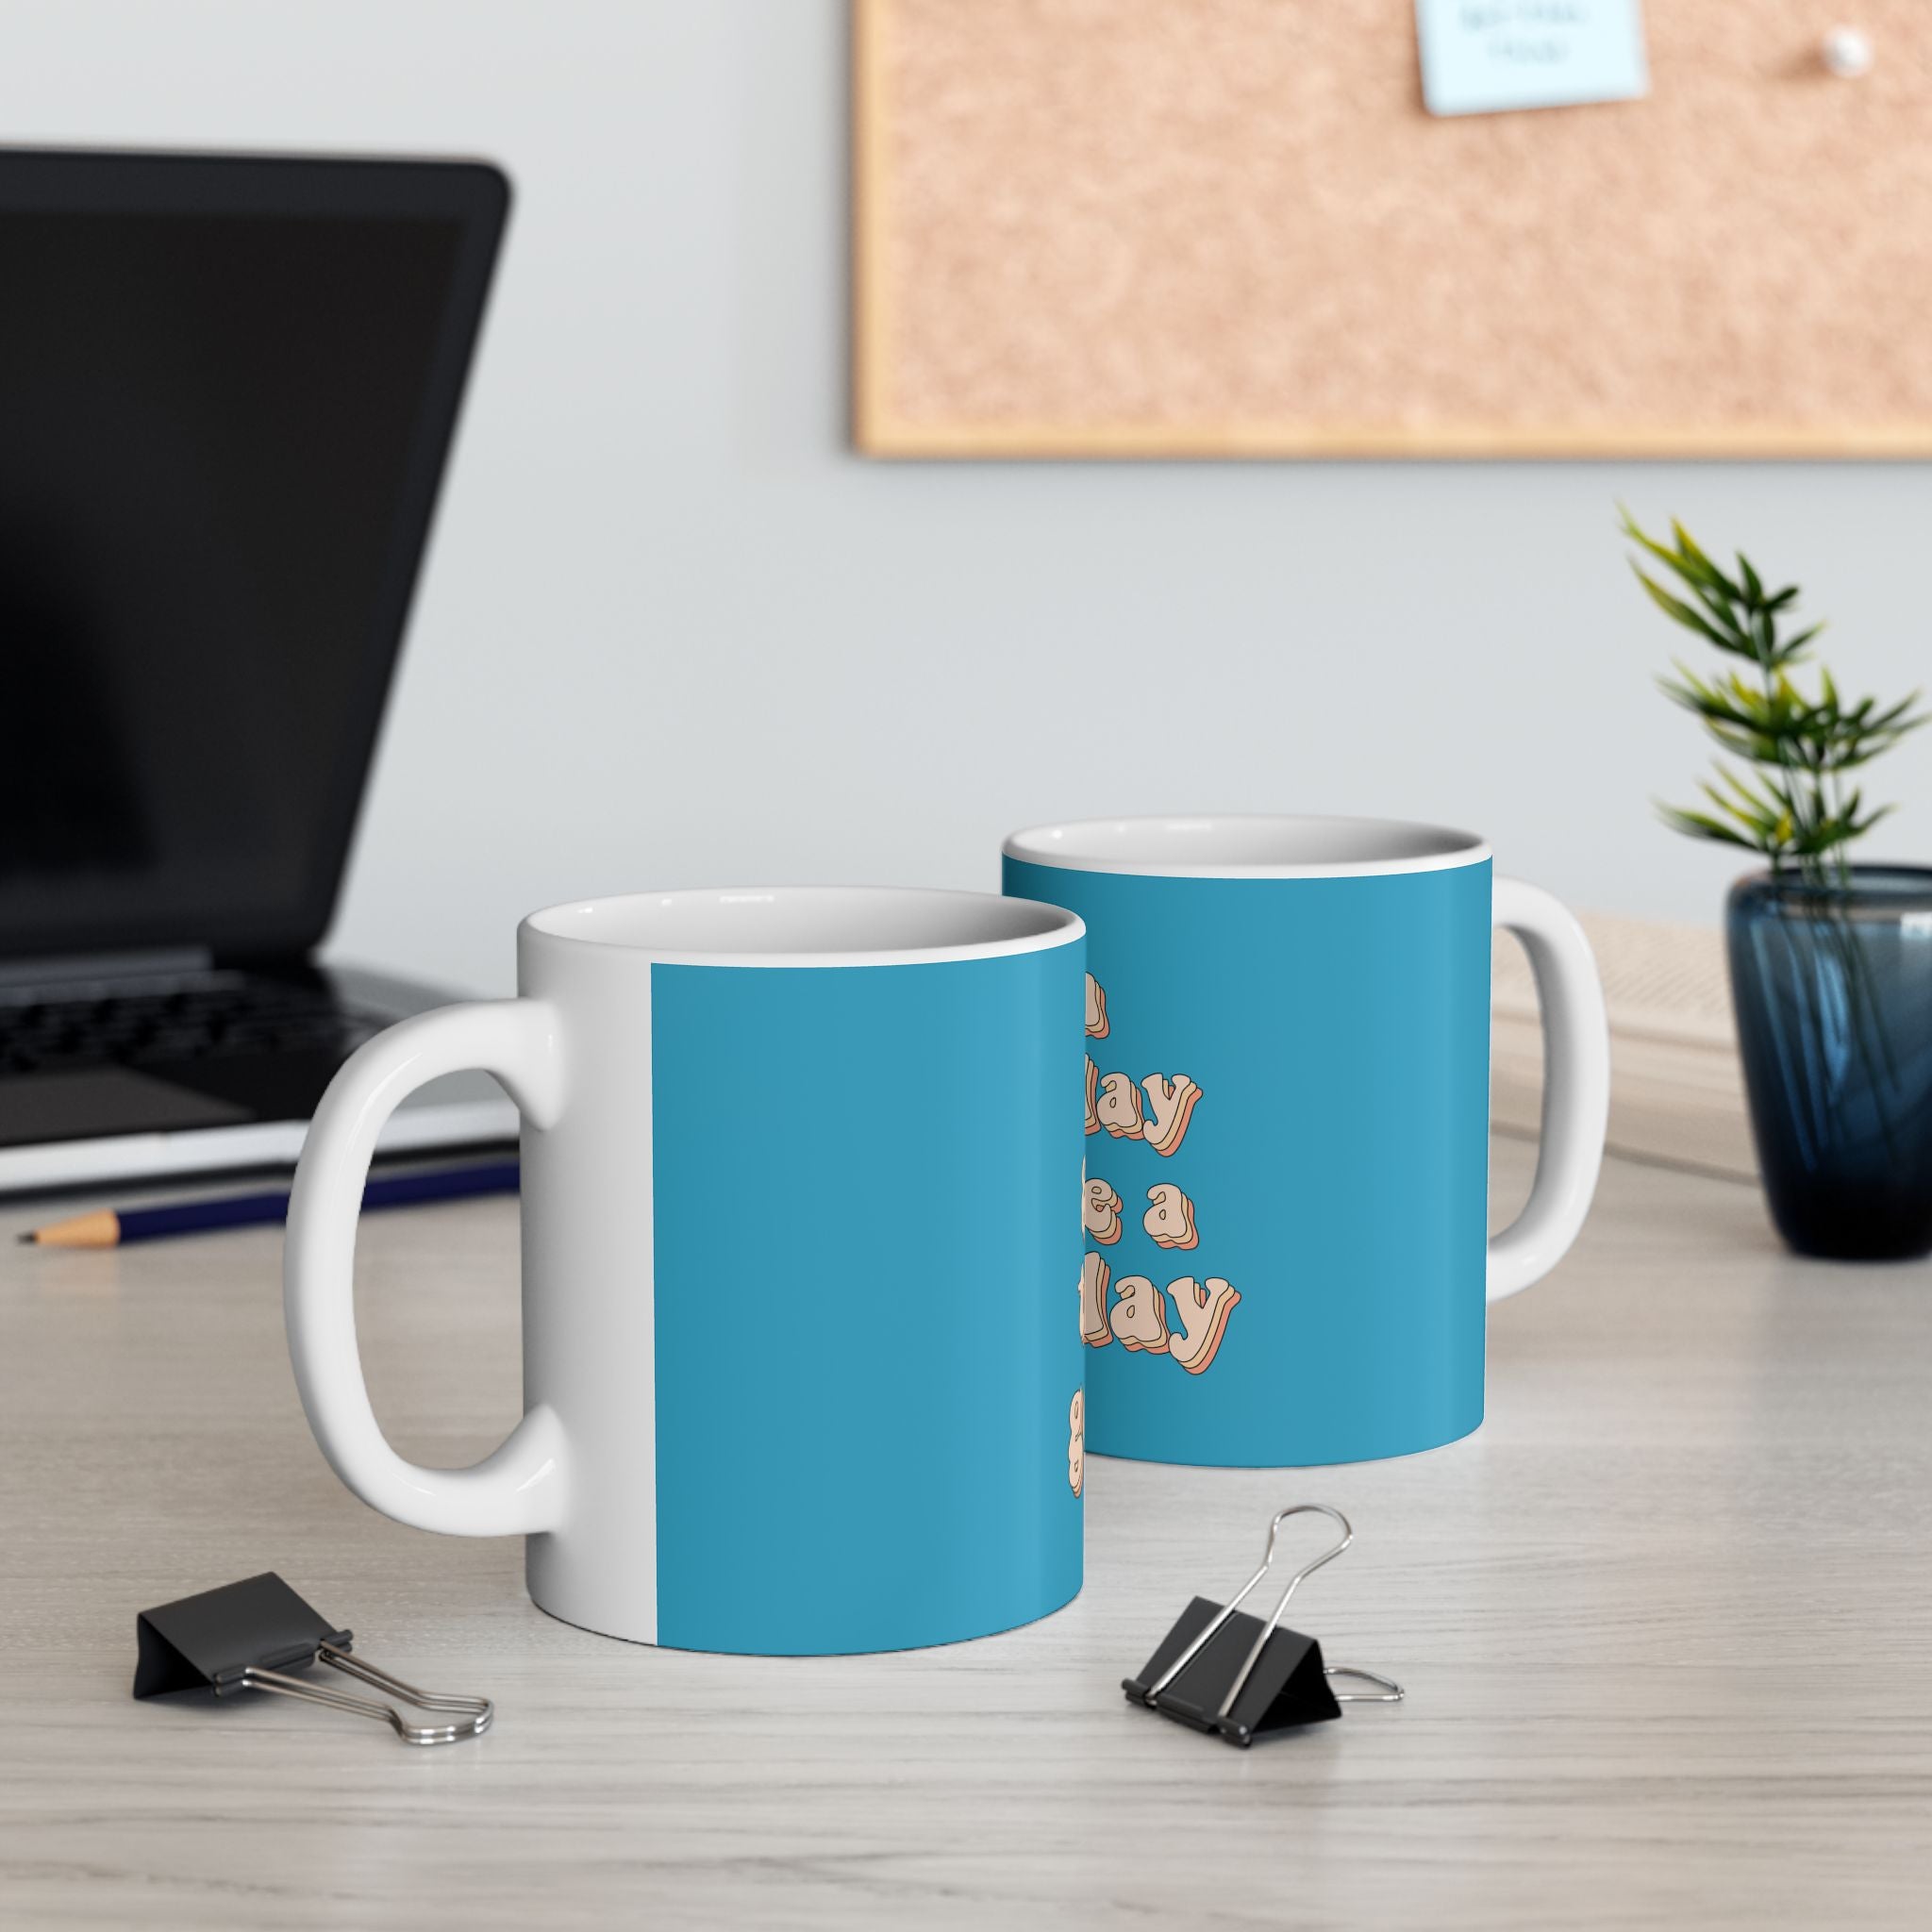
(212, 1016)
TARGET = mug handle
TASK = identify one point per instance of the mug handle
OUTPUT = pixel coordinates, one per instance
(523, 1486)
(1576, 1087)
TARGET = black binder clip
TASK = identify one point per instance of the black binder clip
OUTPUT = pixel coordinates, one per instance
(1224, 1672)
(248, 1635)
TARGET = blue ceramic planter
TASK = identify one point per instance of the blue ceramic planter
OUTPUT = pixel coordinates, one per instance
(1833, 989)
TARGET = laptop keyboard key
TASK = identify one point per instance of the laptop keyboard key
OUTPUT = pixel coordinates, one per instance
(180, 1024)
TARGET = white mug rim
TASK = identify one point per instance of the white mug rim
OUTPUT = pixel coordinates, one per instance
(1043, 927)
(1409, 846)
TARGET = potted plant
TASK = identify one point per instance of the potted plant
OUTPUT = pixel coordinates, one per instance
(1830, 961)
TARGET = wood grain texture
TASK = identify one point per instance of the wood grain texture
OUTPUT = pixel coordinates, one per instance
(1230, 227)
(1662, 1620)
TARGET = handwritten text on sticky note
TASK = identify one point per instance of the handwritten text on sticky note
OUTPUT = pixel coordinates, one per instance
(1481, 56)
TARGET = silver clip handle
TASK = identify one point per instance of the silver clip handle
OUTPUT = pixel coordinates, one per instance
(1329, 1556)
(1390, 1692)
(1234, 1603)
(478, 1713)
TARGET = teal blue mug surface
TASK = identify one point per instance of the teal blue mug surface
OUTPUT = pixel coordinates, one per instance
(1287, 1183)
(800, 1374)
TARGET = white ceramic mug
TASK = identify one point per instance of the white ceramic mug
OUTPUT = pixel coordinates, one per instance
(799, 1265)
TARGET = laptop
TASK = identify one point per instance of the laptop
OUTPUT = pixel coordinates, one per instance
(227, 387)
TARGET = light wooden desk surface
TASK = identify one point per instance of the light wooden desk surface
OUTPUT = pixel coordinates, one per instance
(1666, 1626)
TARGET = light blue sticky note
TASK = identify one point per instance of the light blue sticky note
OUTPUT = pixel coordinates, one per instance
(1482, 57)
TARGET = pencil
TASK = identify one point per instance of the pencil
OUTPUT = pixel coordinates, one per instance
(109, 1228)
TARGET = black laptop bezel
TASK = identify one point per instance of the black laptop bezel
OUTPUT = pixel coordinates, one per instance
(476, 194)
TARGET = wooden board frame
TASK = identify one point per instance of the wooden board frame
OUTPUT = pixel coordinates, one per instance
(881, 429)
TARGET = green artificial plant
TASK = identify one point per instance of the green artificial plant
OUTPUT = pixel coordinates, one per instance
(1793, 804)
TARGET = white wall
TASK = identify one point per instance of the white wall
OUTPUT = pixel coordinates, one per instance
(673, 631)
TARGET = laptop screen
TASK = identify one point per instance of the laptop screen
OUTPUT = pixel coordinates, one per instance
(226, 392)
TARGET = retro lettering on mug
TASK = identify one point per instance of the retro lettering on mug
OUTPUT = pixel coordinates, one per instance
(1096, 1008)
(1170, 1107)
(1139, 1315)
(1116, 1102)
(1204, 1309)
(1100, 1213)
(1119, 1107)
(1155, 1112)
(1170, 1218)
(1094, 1276)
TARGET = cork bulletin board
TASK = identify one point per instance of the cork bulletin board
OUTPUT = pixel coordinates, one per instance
(1230, 227)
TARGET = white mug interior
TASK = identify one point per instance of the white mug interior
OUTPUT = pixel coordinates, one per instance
(818, 925)
(1246, 847)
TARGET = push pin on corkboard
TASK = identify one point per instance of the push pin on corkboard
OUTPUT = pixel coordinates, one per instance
(1846, 53)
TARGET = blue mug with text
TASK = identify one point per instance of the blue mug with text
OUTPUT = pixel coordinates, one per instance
(800, 1372)
(1287, 1184)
